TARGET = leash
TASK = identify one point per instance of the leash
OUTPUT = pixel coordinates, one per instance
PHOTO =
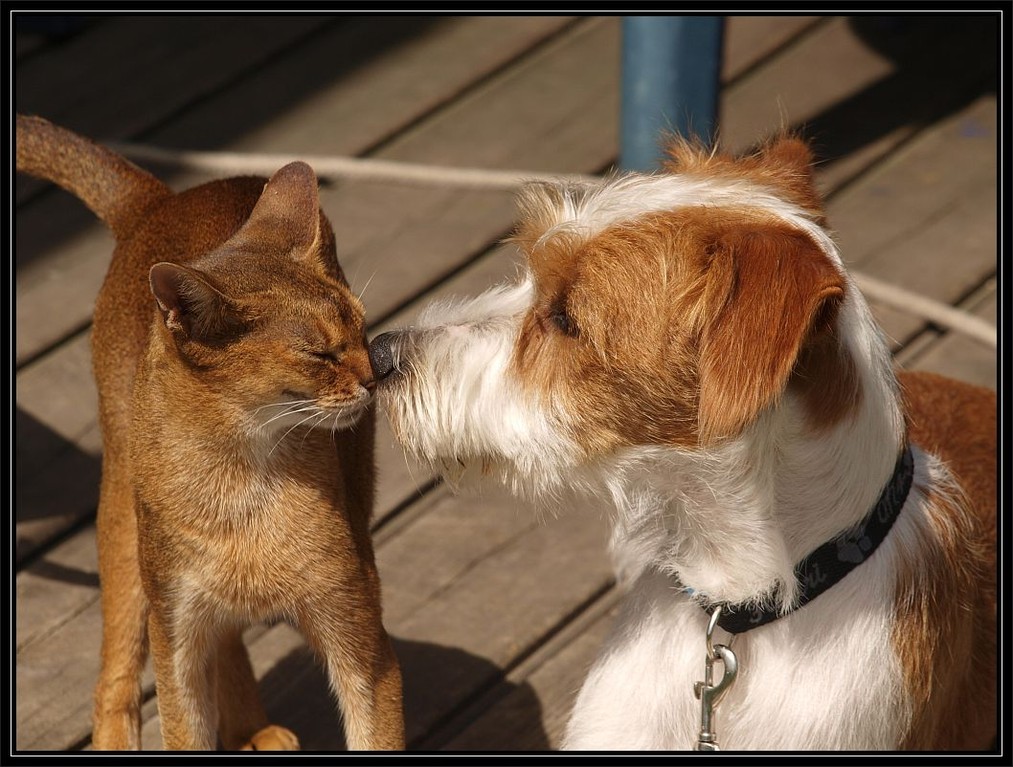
(817, 572)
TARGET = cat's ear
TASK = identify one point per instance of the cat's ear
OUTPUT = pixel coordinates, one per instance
(287, 220)
(288, 210)
(191, 306)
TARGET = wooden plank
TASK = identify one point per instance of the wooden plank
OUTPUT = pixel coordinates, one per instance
(358, 84)
(54, 680)
(530, 709)
(957, 356)
(918, 183)
(858, 88)
(501, 607)
(57, 448)
(750, 40)
(938, 69)
(59, 629)
(57, 588)
(112, 81)
(945, 267)
(925, 218)
(404, 239)
(53, 500)
(59, 392)
(59, 272)
(796, 85)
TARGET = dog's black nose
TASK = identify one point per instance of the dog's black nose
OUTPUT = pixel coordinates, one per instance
(381, 359)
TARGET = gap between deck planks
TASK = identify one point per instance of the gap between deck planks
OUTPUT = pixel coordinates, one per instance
(468, 273)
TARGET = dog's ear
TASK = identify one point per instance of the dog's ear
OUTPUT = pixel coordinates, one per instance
(786, 163)
(783, 163)
(769, 289)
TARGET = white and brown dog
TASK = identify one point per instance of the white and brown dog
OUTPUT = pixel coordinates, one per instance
(688, 350)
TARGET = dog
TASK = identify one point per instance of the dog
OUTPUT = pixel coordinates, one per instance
(804, 535)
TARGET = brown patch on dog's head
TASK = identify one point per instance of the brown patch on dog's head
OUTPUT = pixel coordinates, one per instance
(680, 328)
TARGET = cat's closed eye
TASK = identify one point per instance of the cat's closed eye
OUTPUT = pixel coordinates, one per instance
(332, 355)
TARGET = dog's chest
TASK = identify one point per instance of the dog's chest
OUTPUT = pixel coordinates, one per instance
(822, 679)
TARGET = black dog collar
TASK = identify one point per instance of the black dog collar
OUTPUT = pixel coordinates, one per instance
(836, 558)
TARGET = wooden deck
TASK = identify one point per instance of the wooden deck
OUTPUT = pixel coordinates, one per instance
(496, 613)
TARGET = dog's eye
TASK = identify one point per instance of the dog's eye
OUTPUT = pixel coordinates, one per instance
(562, 320)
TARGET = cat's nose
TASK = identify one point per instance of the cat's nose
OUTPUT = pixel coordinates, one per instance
(381, 358)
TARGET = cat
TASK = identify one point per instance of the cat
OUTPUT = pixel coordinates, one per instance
(236, 406)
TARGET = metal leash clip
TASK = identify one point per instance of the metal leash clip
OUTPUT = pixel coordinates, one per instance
(707, 692)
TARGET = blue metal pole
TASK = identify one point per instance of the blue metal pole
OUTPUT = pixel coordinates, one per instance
(671, 71)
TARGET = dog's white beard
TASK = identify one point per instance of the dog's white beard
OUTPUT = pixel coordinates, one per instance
(457, 406)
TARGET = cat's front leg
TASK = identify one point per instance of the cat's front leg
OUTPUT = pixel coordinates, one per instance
(363, 671)
(242, 721)
(183, 657)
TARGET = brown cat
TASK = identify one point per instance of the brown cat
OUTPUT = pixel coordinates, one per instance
(237, 425)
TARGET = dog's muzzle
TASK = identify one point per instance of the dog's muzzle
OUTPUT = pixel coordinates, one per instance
(381, 356)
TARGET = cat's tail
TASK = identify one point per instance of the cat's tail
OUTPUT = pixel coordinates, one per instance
(113, 188)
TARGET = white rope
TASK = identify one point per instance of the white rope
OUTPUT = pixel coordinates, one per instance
(363, 168)
(928, 309)
(371, 169)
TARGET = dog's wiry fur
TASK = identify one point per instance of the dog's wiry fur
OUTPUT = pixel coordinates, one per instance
(687, 350)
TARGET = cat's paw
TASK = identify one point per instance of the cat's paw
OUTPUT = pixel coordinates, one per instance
(273, 738)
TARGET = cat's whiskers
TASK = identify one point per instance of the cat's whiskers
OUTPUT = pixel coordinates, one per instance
(286, 403)
(296, 407)
(363, 291)
(321, 417)
(294, 426)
